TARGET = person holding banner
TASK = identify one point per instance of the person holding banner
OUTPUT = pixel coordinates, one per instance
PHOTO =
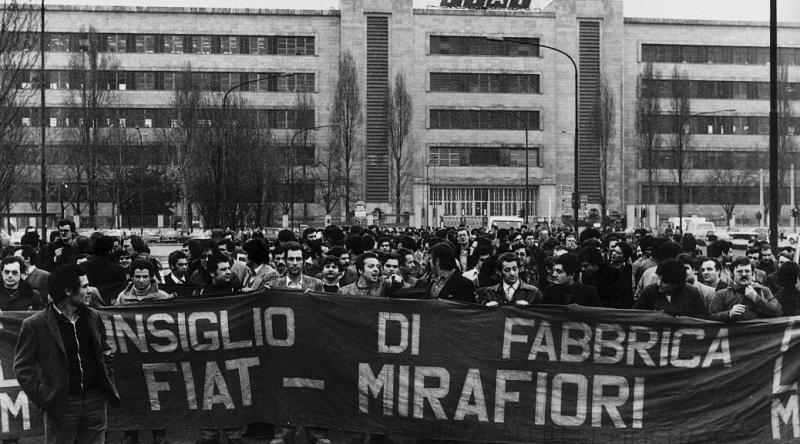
(64, 364)
(295, 279)
(567, 290)
(671, 294)
(745, 299)
(258, 272)
(220, 279)
(369, 282)
(511, 291)
(178, 264)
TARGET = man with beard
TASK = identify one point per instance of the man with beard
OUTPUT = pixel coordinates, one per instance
(16, 294)
(330, 275)
(295, 279)
(178, 264)
(566, 289)
(348, 271)
(744, 299)
(220, 277)
(511, 291)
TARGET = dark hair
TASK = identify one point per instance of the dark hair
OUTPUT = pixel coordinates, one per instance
(363, 257)
(787, 254)
(229, 245)
(214, 261)
(257, 250)
(62, 222)
(590, 255)
(688, 242)
(667, 250)
(670, 271)
(752, 250)
(716, 248)
(28, 253)
(328, 259)
(138, 244)
(333, 234)
(30, 239)
(717, 265)
(445, 254)
(390, 256)
(63, 278)
(627, 250)
(286, 236)
(589, 233)
(506, 257)
(142, 264)
(103, 245)
(14, 260)
(292, 246)
(688, 259)
(408, 242)
(175, 256)
(741, 260)
(571, 263)
(81, 245)
(354, 243)
(786, 276)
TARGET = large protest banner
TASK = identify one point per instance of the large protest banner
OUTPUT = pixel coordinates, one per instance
(440, 369)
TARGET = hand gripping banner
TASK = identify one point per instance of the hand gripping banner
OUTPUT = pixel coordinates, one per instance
(440, 370)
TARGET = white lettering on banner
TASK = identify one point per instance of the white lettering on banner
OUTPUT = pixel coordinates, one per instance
(432, 385)
(200, 331)
(6, 383)
(784, 408)
(409, 333)
(215, 387)
(613, 344)
(403, 388)
(20, 406)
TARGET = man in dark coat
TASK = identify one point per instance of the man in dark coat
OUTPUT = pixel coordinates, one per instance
(102, 270)
(15, 293)
(446, 280)
(63, 363)
(567, 290)
(60, 251)
(671, 294)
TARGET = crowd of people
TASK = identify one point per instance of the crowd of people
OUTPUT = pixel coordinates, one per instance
(520, 267)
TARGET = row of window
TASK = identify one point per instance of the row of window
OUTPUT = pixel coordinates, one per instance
(715, 89)
(455, 201)
(707, 194)
(484, 119)
(483, 156)
(709, 160)
(481, 46)
(160, 118)
(722, 125)
(172, 80)
(472, 82)
(724, 55)
(178, 44)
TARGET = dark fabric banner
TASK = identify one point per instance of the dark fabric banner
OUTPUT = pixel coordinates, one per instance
(441, 370)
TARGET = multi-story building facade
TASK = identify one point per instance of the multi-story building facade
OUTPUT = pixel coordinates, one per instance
(489, 104)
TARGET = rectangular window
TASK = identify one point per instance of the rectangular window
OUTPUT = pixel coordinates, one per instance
(480, 46)
(258, 45)
(201, 44)
(145, 81)
(229, 45)
(145, 43)
(728, 55)
(484, 83)
(484, 119)
(59, 42)
(117, 42)
(173, 44)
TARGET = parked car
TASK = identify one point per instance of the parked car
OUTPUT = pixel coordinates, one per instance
(152, 236)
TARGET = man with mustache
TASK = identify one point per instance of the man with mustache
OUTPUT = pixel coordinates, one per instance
(745, 299)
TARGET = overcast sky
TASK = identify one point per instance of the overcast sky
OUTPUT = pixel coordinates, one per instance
(788, 10)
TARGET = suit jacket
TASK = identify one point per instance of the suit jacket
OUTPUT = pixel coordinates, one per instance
(239, 269)
(574, 294)
(524, 292)
(41, 364)
(456, 288)
(260, 279)
(309, 283)
(168, 279)
(39, 280)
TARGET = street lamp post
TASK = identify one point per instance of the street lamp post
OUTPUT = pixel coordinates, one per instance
(141, 186)
(42, 135)
(577, 183)
(291, 167)
(681, 143)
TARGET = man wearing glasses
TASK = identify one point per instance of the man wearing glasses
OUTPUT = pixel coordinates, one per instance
(60, 251)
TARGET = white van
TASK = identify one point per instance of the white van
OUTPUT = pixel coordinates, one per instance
(507, 222)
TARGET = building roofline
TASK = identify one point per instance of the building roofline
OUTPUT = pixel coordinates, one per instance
(182, 10)
(692, 22)
(483, 12)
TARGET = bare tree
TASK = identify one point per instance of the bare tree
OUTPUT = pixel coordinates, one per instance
(648, 109)
(680, 133)
(730, 184)
(399, 114)
(18, 57)
(184, 136)
(328, 178)
(304, 126)
(347, 116)
(90, 70)
(604, 115)
(786, 146)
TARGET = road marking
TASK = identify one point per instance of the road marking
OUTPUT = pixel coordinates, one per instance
(304, 383)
